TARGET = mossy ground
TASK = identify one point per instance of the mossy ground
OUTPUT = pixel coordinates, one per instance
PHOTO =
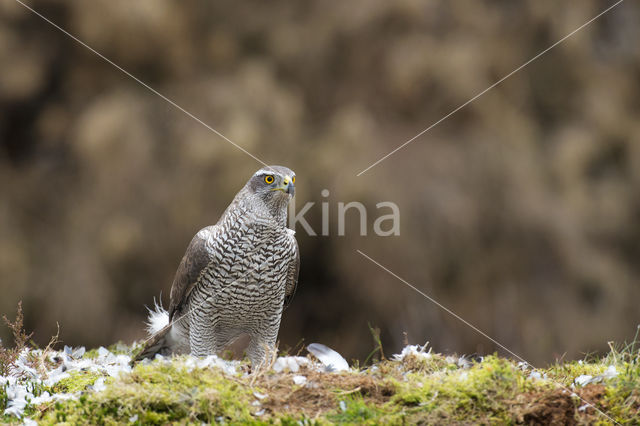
(428, 390)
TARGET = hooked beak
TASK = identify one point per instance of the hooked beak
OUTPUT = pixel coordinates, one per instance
(287, 186)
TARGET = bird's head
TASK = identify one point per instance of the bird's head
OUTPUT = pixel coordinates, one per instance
(273, 184)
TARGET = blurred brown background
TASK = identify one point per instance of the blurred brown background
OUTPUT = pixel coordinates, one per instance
(521, 212)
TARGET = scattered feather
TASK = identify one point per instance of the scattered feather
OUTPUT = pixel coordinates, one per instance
(99, 385)
(583, 380)
(610, 372)
(535, 375)
(291, 363)
(413, 350)
(464, 362)
(331, 359)
(299, 380)
(584, 407)
(586, 379)
(158, 318)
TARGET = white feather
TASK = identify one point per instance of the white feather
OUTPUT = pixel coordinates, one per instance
(158, 318)
(331, 359)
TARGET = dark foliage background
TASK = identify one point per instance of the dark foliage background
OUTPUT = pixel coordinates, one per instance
(521, 212)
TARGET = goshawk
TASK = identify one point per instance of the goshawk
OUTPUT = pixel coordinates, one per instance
(235, 278)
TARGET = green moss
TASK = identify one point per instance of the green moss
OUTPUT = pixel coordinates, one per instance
(3, 397)
(9, 420)
(357, 411)
(431, 390)
(482, 392)
(623, 395)
(566, 373)
(287, 420)
(118, 348)
(77, 381)
(91, 354)
(159, 393)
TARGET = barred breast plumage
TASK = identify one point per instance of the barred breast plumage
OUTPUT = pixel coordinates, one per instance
(236, 277)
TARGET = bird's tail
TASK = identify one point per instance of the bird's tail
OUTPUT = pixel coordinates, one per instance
(159, 328)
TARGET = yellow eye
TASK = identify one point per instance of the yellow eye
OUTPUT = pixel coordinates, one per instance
(268, 179)
(293, 179)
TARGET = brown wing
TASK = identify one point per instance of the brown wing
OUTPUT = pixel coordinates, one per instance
(195, 259)
(292, 279)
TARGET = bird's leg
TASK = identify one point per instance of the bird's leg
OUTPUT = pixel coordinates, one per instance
(261, 352)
